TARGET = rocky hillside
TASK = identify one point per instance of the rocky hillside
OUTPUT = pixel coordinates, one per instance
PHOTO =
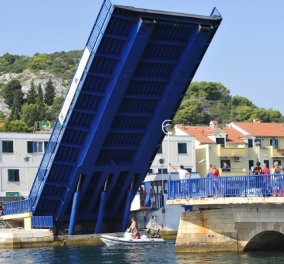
(59, 67)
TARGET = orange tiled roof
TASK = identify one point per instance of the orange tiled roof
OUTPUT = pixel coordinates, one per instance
(201, 133)
(234, 136)
(262, 129)
(198, 132)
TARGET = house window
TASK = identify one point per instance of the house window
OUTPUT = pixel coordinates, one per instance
(225, 165)
(182, 148)
(277, 160)
(274, 142)
(267, 163)
(250, 143)
(45, 144)
(220, 141)
(35, 147)
(13, 175)
(257, 142)
(160, 149)
(7, 146)
(162, 171)
(251, 165)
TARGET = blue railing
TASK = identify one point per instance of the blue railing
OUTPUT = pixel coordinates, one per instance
(46, 161)
(100, 24)
(18, 207)
(238, 186)
(42, 222)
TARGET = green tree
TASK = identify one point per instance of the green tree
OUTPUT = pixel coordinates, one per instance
(39, 99)
(12, 89)
(205, 101)
(240, 101)
(39, 62)
(53, 111)
(266, 116)
(32, 113)
(212, 91)
(242, 113)
(10, 58)
(16, 110)
(191, 112)
(49, 93)
(16, 126)
(2, 116)
(32, 94)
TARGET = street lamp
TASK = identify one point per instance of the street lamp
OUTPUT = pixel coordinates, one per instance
(162, 163)
(27, 160)
(166, 128)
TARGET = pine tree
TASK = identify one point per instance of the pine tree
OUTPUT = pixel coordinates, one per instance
(49, 93)
(32, 94)
(17, 106)
(12, 89)
(39, 99)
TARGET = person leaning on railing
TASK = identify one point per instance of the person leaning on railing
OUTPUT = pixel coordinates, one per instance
(278, 180)
(215, 174)
(266, 180)
(183, 173)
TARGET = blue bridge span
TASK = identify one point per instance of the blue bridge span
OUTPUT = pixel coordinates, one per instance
(133, 74)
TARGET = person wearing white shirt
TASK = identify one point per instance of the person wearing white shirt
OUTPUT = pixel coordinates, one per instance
(183, 173)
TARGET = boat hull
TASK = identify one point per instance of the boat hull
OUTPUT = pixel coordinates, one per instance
(110, 240)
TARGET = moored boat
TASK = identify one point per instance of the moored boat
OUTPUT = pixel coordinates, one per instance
(126, 239)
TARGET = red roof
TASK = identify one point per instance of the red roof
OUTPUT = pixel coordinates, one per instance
(198, 132)
(234, 136)
(262, 129)
(201, 133)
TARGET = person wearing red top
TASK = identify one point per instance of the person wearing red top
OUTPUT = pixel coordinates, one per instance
(215, 175)
(264, 169)
(266, 180)
(215, 171)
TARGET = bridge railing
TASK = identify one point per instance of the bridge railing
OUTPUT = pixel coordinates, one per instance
(17, 207)
(236, 186)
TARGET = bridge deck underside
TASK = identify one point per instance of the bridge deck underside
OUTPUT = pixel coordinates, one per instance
(135, 78)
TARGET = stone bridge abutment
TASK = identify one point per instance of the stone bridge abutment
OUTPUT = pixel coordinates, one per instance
(238, 227)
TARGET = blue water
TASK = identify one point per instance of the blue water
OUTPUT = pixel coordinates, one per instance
(132, 254)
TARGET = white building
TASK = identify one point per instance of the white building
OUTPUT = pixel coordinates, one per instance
(177, 150)
(20, 156)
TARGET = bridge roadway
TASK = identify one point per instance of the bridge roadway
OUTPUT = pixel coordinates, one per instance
(243, 213)
(133, 73)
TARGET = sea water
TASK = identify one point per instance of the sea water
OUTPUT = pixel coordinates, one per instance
(163, 253)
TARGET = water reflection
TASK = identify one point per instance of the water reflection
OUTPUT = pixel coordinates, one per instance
(132, 254)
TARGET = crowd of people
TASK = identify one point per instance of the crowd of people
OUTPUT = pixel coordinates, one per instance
(272, 180)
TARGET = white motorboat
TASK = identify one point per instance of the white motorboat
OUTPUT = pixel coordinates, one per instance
(126, 239)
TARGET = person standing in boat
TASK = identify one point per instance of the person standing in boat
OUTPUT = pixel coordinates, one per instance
(134, 229)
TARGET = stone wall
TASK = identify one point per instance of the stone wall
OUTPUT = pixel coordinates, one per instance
(229, 228)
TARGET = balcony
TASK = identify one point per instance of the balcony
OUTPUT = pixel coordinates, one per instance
(231, 152)
(276, 152)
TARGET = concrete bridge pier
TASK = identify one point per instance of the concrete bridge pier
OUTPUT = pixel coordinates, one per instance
(244, 227)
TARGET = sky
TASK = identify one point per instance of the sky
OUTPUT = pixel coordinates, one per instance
(246, 54)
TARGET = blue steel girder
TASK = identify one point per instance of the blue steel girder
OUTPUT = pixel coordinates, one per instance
(95, 194)
(131, 55)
